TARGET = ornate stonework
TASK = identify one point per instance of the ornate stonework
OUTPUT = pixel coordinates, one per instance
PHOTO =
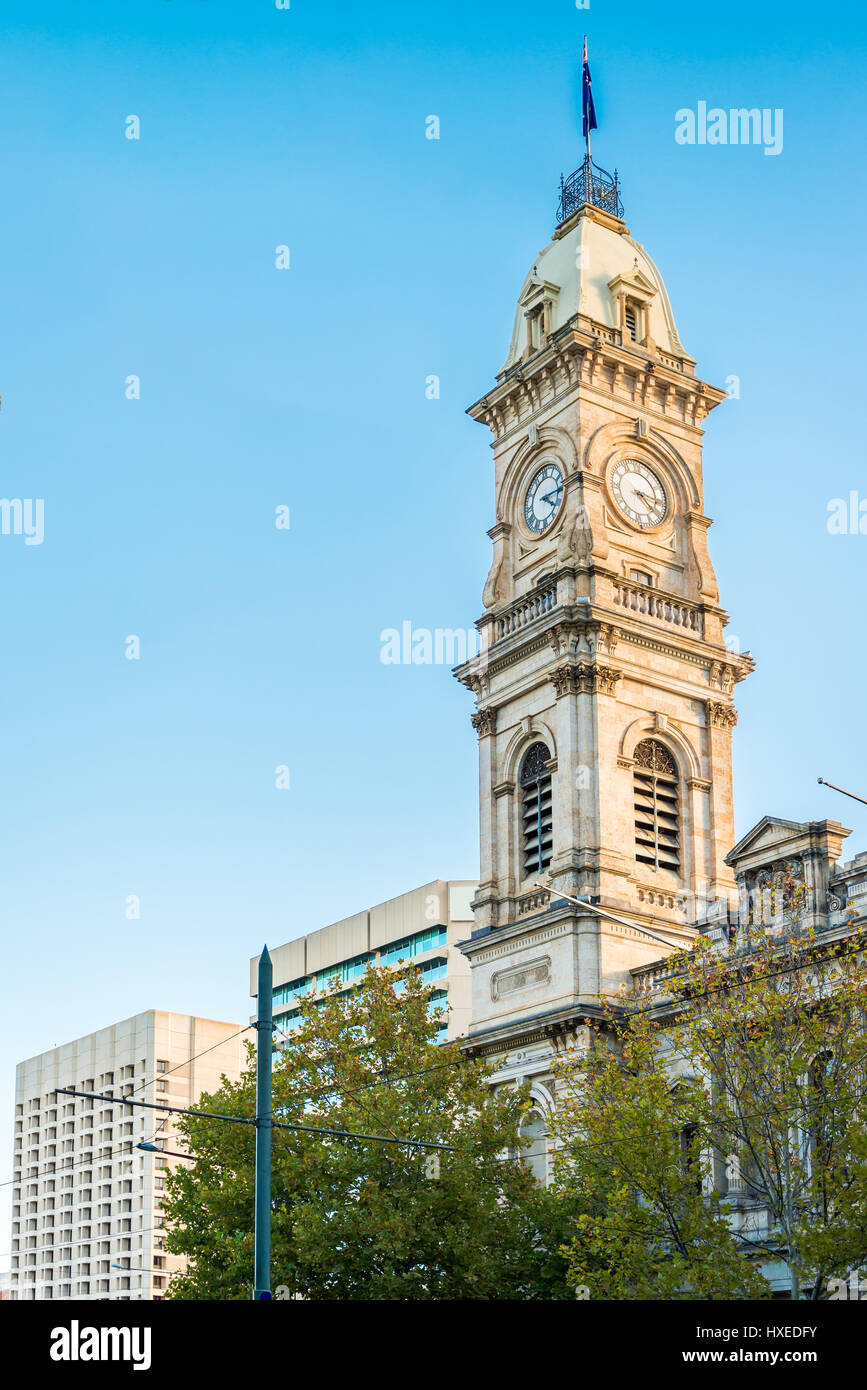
(584, 679)
(720, 716)
(485, 721)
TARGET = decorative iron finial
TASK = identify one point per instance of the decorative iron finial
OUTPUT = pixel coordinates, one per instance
(589, 184)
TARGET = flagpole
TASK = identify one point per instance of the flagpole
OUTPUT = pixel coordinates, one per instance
(584, 60)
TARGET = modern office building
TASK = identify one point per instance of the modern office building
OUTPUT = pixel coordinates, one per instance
(86, 1217)
(423, 926)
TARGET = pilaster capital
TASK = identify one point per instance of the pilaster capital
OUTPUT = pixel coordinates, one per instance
(485, 721)
(720, 716)
(584, 678)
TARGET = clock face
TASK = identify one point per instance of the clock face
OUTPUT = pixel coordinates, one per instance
(544, 496)
(638, 493)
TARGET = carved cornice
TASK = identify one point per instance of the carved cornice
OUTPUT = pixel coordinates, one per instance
(566, 638)
(582, 678)
(692, 654)
(586, 353)
(569, 627)
(720, 716)
(473, 675)
(485, 721)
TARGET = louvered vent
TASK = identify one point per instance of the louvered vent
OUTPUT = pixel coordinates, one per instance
(537, 816)
(657, 819)
(630, 321)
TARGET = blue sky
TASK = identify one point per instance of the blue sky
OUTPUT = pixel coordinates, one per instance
(305, 387)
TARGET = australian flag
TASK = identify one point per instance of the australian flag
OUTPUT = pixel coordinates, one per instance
(589, 110)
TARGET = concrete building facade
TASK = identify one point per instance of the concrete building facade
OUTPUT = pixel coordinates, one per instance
(423, 926)
(87, 1218)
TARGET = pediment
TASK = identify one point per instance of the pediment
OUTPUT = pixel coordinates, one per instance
(769, 835)
(633, 282)
(775, 838)
(536, 288)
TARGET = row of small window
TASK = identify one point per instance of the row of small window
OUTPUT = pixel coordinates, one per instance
(62, 1235)
(415, 945)
(83, 1266)
(431, 970)
(88, 1155)
(92, 1286)
(103, 1246)
(76, 1187)
(105, 1171)
(345, 972)
(83, 1213)
(90, 1083)
(75, 1124)
(79, 1125)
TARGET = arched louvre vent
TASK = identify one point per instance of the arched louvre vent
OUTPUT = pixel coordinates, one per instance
(657, 819)
(537, 818)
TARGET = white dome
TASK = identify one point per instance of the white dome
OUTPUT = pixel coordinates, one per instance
(578, 266)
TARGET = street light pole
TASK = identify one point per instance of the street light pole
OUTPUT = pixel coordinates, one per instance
(854, 795)
(264, 1049)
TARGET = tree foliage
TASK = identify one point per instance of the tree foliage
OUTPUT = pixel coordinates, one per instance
(649, 1224)
(777, 1029)
(355, 1219)
(750, 1074)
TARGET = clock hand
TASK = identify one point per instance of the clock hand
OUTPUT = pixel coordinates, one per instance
(549, 496)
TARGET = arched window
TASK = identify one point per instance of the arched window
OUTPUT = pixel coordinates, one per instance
(657, 820)
(537, 820)
(534, 1155)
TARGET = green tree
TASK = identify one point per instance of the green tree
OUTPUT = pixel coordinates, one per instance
(777, 1030)
(629, 1159)
(752, 1061)
(354, 1219)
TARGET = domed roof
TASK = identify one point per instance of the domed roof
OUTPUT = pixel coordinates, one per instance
(591, 261)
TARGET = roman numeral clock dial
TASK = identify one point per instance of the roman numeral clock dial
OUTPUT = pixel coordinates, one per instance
(637, 493)
(544, 497)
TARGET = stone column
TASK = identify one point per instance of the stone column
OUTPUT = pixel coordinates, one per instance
(485, 724)
(566, 798)
(702, 870)
(720, 720)
(506, 870)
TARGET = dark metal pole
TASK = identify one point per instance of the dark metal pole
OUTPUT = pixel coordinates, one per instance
(264, 1048)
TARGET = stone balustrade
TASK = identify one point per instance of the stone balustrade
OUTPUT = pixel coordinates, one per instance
(651, 603)
(525, 611)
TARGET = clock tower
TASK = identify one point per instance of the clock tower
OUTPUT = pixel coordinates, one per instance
(604, 683)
